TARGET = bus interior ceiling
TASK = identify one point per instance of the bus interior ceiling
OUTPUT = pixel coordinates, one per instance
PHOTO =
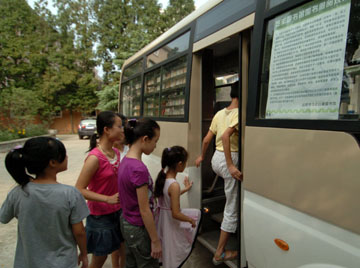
(218, 60)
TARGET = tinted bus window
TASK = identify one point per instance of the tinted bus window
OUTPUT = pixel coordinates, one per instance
(273, 3)
(152, 93)
(173, 48)
(164, 94)
(133, 69)
(131, 97)
(173, 88)
(311, 63)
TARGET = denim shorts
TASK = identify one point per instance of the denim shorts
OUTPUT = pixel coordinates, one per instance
(103, 233)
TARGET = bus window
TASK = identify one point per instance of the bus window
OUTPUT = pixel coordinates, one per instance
(171, 49)
(133, 69)
(173, 88)
(152, 93)
(273, 3)
(131, 97)
(311, 63)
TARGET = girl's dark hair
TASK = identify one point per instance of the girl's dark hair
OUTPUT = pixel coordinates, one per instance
(123, 118)
(34, 157)
(170, 158)
(103, 119)
(135, 129)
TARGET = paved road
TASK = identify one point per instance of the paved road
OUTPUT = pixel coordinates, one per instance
(200, 257)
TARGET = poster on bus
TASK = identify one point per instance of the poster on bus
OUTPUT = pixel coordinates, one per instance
(307, 61)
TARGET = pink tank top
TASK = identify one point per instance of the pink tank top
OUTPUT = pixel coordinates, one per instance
(104, 182)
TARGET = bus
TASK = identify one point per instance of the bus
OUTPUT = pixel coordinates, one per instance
(298, 67)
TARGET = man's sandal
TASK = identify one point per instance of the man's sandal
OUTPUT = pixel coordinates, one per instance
(227, 255)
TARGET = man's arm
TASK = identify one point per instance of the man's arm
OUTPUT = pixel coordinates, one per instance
(205, 144)
(235, 173)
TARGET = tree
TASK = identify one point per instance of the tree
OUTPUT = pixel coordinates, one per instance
(108, 98)
(123, 27)
(23, 60)
(175, 12)
(70, 81)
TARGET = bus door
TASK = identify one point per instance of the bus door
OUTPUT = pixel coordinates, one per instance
(223, 63)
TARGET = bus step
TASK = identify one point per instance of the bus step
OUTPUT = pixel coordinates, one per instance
(210, 240)
(218, 217)
(213, 199)
(215, 191)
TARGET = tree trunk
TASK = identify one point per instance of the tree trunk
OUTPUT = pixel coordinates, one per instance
(72, 121)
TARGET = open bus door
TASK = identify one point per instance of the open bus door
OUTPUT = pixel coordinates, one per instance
(223, 63)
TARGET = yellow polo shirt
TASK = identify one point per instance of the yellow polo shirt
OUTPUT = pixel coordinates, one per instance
(222, 120)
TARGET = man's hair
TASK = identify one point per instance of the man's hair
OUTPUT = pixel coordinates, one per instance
(234, 93)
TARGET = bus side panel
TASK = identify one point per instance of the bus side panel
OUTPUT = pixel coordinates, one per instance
(312, 242)
(308, 175)
(190, 199)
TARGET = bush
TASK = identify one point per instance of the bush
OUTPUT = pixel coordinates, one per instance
(35, 130)
(6, 135)
(29, 131)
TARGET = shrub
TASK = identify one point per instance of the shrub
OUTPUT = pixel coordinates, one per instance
(35, 130)
(6, 135)
(29, 131)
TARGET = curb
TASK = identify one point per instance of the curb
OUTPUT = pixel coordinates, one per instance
(6, 146)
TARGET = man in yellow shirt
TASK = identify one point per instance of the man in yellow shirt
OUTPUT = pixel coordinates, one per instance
(224, 126)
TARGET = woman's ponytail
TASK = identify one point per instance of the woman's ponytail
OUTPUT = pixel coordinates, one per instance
(137, 128)
(33, 158)
(93, 141)
(160, 180)
(129, 131)
(159, 184)
(170, 158)
(103, 119)
(15, 165)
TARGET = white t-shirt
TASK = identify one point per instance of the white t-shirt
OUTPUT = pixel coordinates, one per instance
(124, 152)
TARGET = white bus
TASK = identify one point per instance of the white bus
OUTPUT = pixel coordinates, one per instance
(298, 63)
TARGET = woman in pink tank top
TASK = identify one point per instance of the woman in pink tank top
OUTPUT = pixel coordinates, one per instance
(98, 184)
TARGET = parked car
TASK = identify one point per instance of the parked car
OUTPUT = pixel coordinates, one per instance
(87, 127)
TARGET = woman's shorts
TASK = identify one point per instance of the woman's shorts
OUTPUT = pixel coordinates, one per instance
(103, 233)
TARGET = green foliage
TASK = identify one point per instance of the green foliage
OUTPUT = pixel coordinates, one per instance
(7, 135)
(175, 12)
(123, 27)
(47, 60)
(18, 106)
(108, 98)
(11, 133)
(35, 130)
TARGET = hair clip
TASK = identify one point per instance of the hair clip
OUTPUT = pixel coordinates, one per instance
(132, 122)
(17, 147)
(169, 149)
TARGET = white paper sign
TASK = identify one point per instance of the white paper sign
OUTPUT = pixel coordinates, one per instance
(307, 61)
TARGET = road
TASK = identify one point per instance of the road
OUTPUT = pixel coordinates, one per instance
(76, 151)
